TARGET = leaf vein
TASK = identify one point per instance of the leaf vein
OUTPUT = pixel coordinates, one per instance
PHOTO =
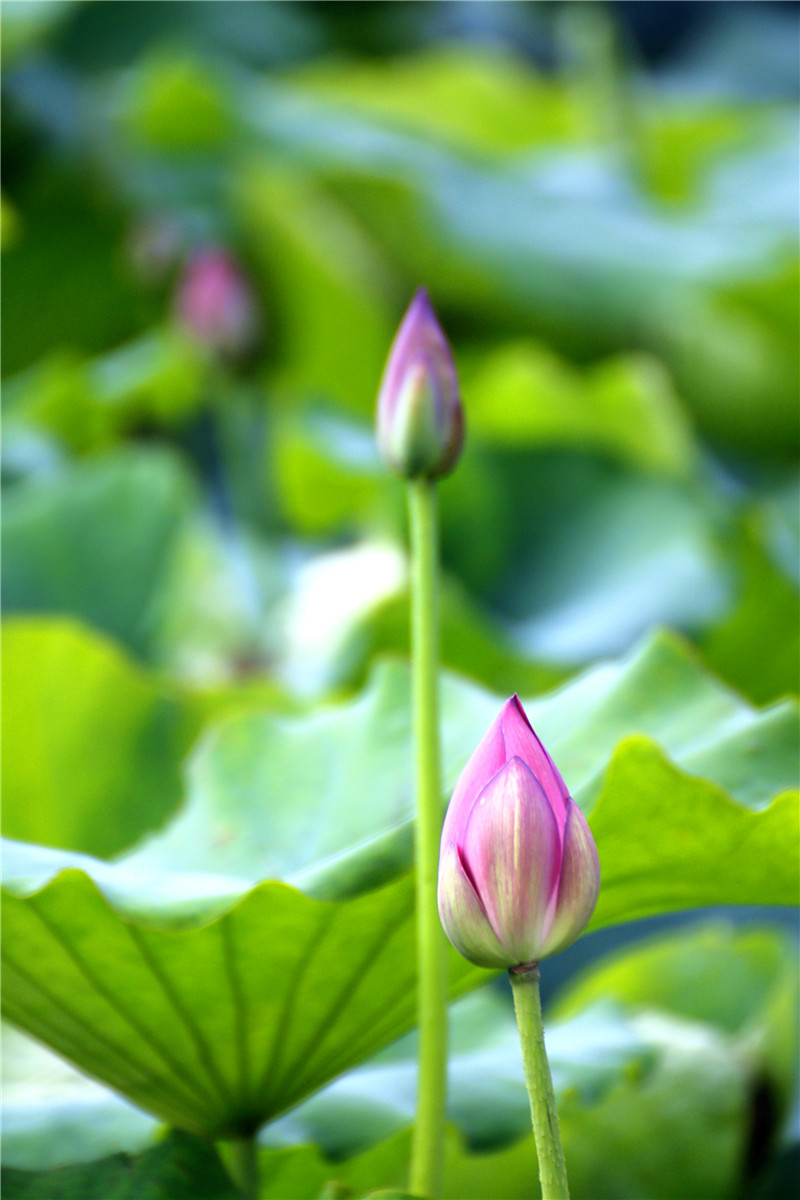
(176, 1070)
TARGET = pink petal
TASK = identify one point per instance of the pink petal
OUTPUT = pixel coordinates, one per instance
(463, 916)
(521, 742)
(512, 849)
(484, 763)
(578, 885)
(418, 337)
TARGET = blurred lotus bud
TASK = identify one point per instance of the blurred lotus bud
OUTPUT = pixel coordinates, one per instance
(420, 420)
(518, 870)
(216, 304)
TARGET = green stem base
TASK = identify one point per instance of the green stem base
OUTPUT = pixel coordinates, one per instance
(547, 1135)
(243, 1158)
(428, 1141)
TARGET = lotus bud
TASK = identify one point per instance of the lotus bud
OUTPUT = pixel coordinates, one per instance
(216, 304)
(420, 419)
(518, 868)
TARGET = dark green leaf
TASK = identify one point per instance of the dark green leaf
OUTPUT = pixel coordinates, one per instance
(180, 1168)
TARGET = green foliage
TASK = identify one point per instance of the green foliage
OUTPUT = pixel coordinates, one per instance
(89, 405)
(329, 298)
(664, 1073)
(457, 97)
(667, 1088)
(93, 744)
(208, 896)
(757, 645)
(149, 973)
(200, 1026)
(744, 984)
(521, 394)
(95, 541)
(44, 271)
(177, 105)
(182, 1167)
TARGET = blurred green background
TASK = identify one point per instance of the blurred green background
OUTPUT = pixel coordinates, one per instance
(213, 217)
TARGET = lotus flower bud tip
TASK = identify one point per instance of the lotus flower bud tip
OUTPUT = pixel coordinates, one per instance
(420, 419)
(518, 871)
(216, 305)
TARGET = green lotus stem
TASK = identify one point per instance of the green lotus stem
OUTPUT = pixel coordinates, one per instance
(244, 1165)
(547, 1135)
(428, 1140)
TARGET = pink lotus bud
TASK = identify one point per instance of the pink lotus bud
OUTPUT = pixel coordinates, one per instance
(216, 305)
(420, 420)
(518, 867)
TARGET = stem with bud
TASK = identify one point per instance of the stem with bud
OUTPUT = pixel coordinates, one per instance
(546, 1132)
(428, 1140)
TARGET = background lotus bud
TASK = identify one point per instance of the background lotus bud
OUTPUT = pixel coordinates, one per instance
(420, 419)
(216, 304)
(518, 869)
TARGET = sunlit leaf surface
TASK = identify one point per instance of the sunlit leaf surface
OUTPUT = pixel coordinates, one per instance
(217, 1001)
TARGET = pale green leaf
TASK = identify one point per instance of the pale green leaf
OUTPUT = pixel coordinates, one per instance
(93, 745)
(521, 394)
(95, 540)
(220, 1024)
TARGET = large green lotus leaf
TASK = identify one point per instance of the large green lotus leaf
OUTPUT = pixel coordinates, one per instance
(475, 100)
(598, 1057)
(521, 393)
(93, 744)
(610, 555)
(326, 281)
(676, 871)
(123, 969)
(606, 1063)
(89, 403)
(579, 253)
(179, 1168)
(95, 541)
(609, 730)
(216, 1028)
(54, 1115)
(757, 645)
